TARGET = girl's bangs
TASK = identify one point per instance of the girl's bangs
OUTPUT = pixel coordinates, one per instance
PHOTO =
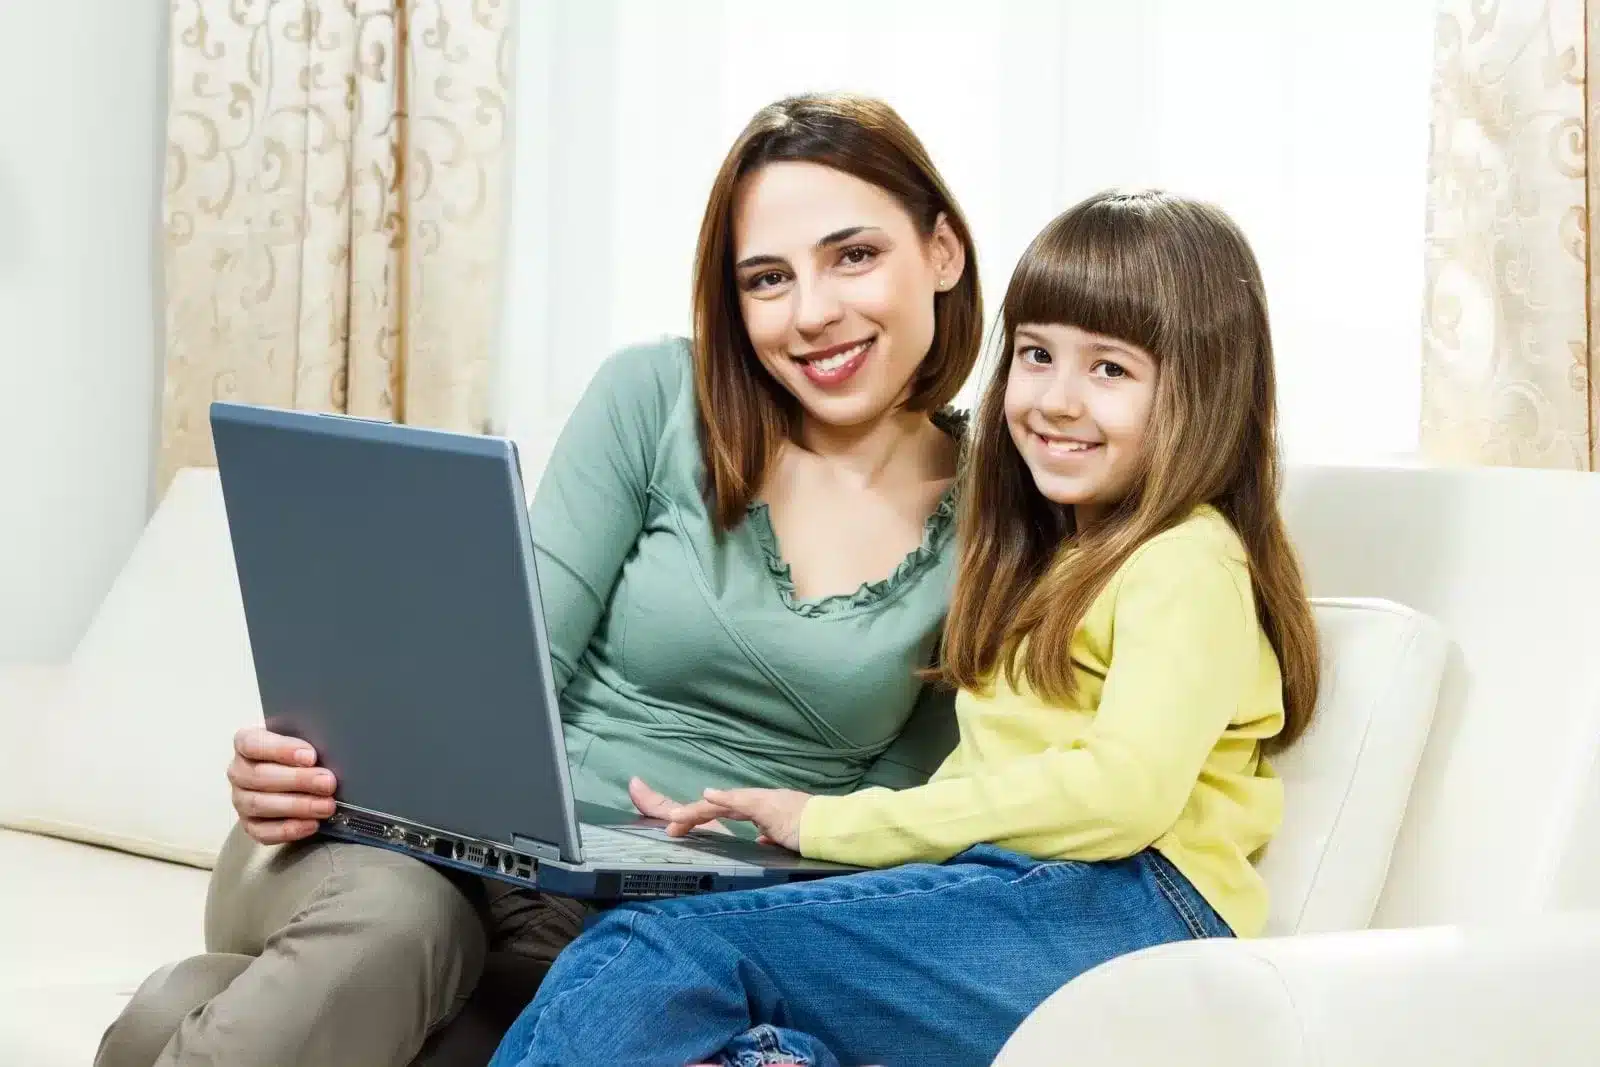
(1093, 270)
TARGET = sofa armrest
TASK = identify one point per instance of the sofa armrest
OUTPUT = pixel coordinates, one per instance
(28, 695)
(1506, 995)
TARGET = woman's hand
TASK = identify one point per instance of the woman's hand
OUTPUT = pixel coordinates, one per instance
(278, 790)
(775, 812)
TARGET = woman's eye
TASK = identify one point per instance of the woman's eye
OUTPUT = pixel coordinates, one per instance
(764, 281)
(856, 255)
(1035, 355)
(1110, 369)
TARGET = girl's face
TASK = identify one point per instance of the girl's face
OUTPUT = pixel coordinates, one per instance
(836, 288)
(1077, 405)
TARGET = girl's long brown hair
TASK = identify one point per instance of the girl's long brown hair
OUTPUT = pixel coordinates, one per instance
(744, 415)
(1177, 278)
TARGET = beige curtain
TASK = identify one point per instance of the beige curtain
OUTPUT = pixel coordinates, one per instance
(1512, 318)
(334, 210)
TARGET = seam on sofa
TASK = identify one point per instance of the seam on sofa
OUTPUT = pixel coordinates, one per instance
(1310, 1055)
(144, 848)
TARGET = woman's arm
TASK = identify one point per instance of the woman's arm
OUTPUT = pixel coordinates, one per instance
(926, 741)
(589, 508)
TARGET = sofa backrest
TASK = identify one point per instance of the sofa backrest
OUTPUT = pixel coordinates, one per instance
(1504, 815)
(131, 752)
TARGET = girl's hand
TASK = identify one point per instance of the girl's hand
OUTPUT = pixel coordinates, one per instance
(656, 806)
(775, 812)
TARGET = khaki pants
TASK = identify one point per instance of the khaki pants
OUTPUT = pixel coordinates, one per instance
(324, 954)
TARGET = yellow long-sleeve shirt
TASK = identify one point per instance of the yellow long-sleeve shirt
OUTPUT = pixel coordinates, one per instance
(1177, 686)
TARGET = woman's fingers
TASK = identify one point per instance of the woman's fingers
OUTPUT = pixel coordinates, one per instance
(651, 803)
(279, 831)
(256, 743)
(251, 804)
(277, 778)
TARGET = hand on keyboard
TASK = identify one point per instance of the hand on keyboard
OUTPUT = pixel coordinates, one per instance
(656, 806)
(775, 812)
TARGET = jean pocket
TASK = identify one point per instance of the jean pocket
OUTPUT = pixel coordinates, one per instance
(1198, 916)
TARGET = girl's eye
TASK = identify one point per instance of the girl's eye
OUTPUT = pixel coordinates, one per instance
(1110, 369)
(856, 255)
(1035, 355)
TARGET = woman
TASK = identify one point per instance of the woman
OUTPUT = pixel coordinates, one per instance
(836, 311)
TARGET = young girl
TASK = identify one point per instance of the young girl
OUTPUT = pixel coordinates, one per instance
(1129, 632)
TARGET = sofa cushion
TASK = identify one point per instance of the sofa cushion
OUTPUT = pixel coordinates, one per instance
(133, 752)
(57, 1026)
(1347, 779)
(76, 913)
(82, 927)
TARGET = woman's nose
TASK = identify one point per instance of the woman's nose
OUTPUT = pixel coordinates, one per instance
(817, 306)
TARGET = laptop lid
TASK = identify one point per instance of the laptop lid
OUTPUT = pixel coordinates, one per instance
(393, 610)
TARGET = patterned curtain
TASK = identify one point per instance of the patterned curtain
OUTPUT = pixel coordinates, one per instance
(334, 210)
(1511, 339)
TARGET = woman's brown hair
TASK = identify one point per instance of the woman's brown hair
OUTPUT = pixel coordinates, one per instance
(1178, 279)
(744, 415)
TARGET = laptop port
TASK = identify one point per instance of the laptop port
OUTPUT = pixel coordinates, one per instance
(444, 849)
(362, 825)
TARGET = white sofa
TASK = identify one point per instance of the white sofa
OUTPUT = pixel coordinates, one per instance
(123, 746)
(1485, 946)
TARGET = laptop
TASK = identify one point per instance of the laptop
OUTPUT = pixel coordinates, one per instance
(392, 605)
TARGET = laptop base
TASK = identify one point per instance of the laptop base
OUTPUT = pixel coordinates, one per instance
(489, 859)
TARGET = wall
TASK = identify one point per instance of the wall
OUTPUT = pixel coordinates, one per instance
(82, 109)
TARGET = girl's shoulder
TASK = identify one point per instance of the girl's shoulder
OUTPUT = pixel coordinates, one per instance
(1202, 538)
(1207, 528)
(1198, 565)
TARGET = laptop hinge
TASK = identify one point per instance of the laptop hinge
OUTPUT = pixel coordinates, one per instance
(537, 849)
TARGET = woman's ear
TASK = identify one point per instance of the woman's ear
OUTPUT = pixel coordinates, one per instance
(947, 254)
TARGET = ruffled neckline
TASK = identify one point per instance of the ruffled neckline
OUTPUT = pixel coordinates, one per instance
(916, 561)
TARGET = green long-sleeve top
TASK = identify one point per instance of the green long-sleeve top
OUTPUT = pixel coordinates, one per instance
(685, 657)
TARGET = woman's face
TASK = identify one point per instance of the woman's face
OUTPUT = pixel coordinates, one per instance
(836, 287)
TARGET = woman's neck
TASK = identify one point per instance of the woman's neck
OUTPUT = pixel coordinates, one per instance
(894, 442)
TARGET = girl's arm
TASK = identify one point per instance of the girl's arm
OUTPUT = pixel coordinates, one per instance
(1186, 648)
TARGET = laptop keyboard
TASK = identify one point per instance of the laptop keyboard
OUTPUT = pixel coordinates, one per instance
(602, 845)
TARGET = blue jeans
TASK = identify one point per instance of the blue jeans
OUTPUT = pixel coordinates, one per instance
(925, 964)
